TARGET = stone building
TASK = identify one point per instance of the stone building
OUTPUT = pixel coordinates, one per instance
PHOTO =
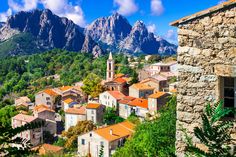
(94, 112)
(207, 70)
(140, 90)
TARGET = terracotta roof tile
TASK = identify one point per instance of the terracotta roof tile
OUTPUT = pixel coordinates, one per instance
(204, 12)
(126, 99)
(68, 101)
(65, 88)
(157, 95)
(50, 92)
(119, 75)
(120, 130)
(143, 103)
(92, 106)
(47, 148)
(79, 111)
(141, 86)
(42, 107)
(116, 94)
(120, 80)
(25, 118)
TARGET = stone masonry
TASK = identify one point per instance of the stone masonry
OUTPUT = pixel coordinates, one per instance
(206, 52)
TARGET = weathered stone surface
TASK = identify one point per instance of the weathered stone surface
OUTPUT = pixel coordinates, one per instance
(207, 51)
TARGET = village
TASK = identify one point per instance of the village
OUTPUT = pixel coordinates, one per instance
(157, 82)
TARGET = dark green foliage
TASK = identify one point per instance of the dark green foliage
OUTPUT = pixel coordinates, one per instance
(110, 116)
(153, 138)
(6, 113)
(60, 142)
(154, 59)
(48, 137)
(214, 133)
(8, 141)
(26, 75)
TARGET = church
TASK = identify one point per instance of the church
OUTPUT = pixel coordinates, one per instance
(115, 82)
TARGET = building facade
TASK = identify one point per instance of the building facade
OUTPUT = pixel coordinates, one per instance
(207, 69)
(94, 112)
(110, 98)
(140, 90)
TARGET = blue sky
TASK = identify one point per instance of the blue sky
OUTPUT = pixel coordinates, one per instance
(157, 14)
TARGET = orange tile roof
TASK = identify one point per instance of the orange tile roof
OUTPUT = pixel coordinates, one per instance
(139, 102)
(25, 118)
(42, 107)
(126, 99)
(141, 86)
(119, 80)
(120, 130)
(92, 106)
(68, 101)
(64, 88)
(47, 148)
(157, 95)
(50, 92)
(204, 12)
(116, 94)
(79, 111)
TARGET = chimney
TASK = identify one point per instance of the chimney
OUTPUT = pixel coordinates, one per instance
(111, 132)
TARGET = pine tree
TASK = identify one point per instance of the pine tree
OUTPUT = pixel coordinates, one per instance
(214, 133)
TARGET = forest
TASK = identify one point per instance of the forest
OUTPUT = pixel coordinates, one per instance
(26, 75)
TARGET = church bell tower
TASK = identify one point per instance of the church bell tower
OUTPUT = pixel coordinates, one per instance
(110, 68)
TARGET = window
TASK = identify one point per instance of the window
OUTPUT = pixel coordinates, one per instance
(229, 92)
(126, 107)
(47, 98)
(83, 141)
(92, 118)
(92, 112)
(90, 134)
(102, 143)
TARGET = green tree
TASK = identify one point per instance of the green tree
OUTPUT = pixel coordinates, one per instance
(10, 145)
(74, 131)
(153, 138)
(214, 133)
(6, 113)
(110, 116)
(92, 85)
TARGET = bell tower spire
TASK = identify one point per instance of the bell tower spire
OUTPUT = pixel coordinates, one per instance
(110, 68)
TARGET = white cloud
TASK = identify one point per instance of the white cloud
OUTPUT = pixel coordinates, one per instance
(151, 28)
(157, 7)
(126, 7)
(65, 9)
(171, 36)
(25, 5)
(221, 1)
(4, 15)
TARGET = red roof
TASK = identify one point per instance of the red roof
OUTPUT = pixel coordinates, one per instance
(116, 94)
(25, 118)
(92, 106)
(50, 92)
(143, 103)
(119, 80)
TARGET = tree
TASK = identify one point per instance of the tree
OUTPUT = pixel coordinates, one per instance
(92, 85)
(10, 145)
(153, 138)
(73, 132)
(60, 142)
(214, 133)
(110, 116)
(6, 113)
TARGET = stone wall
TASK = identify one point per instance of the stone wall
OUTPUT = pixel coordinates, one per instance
(207, 51)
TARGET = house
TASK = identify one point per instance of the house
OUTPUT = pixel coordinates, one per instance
(24, 102)
(173, 86)
(140, 90)
(110, 137)
(74, 115)
(44, 112)
(124, 108)
(48, 149)
(139, 107)
(159, 84)
(34, 136)
(94, 112)
(48, 97)
(110, 98)
(157, 100)
(207, 71)
(68, 103)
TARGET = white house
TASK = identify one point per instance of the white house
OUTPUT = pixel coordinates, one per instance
(74, 115)
(110, 98)
(111, 137)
